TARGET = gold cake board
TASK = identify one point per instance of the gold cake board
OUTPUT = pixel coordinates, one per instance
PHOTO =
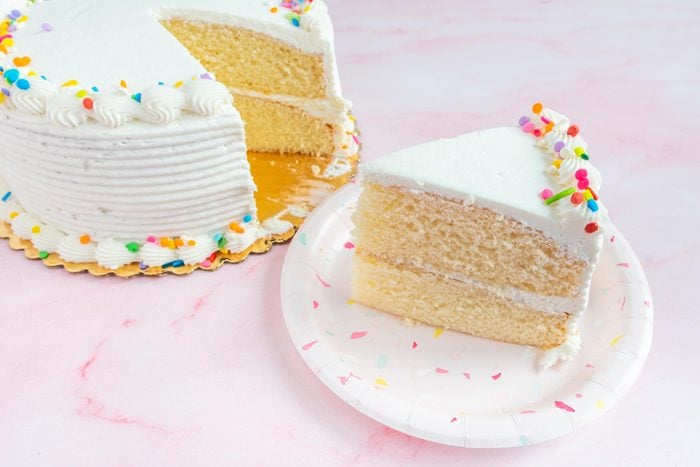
(288, 187)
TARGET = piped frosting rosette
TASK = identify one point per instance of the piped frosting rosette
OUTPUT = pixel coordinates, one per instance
(575, 181)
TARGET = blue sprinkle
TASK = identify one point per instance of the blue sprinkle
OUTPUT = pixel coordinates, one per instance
(1, 69)
(295, 22)
(160, 83)
(43, 77)
(11, 75)
(96, 89)
(174, 264)
(137, 97)
(592, 205)
(6, 197)
(218, 237)
(142, 265)
(247, 218)
(23, 84)
(6, 92)
(15, 14)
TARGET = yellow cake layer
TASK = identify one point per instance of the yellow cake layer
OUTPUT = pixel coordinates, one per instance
(245, 59)
(441, 234)
(447, 303)
(272, 126)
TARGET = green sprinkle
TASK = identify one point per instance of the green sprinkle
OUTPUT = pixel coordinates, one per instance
(584, 156)
(560, 195)
(43, 255)
(133, 247)
(222, 242)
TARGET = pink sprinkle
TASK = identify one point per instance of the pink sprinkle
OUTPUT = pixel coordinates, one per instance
(358, 334)
(547, 193)
(454, 419)
(647, 303)
(467, 375)
(624, 265)
(529, 127)
(205, 264)
(580, 174)
(357, 141)
(563, 406)
(324, 283)
(583, 184)
(309, 345)
(588, 365)
(496, 376)
(612, 239)
(441, 371)
(528, 411)
(46, 27)
(349, 245)
(151, 239)
(415, 344)
(545, 120)
(579, 395)
(622, 302)
(537, 132)
(315, 304)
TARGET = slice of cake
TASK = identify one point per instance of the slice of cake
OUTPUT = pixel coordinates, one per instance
(125, 125)
(494, 233)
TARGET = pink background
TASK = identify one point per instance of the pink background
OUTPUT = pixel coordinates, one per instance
(200, 370)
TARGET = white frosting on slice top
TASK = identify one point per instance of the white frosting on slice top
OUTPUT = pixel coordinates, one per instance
(502, 169)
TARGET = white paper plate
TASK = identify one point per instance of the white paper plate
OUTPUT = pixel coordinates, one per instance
(449, 387)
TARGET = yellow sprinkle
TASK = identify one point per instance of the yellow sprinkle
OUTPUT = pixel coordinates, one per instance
(587, 195)
(351, 301)
(578, 150)
(22, 19)
(31, 73)
(308, 7)
(438, 332)
(122, 83)
(344, 146)
(351, 118)
(81, 93)
(36, 229)
(179, 84)
(2, 98)
(171, 244)
(614, 342)
(14, 214)
(381, 382)
(600, 404)
(191, 243)
(8, 42)
(70, 82)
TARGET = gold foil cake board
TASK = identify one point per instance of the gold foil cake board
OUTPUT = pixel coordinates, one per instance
(289, 187)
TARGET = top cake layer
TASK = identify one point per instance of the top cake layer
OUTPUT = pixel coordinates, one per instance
(102, 42)
(506, 170)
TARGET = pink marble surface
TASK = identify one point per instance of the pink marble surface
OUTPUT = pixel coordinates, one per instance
(201, 371)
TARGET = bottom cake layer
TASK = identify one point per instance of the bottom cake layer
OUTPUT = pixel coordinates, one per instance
(440, 301)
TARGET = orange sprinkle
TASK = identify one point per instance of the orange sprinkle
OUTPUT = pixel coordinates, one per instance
(179, 242)
(21, 61)
(191, 243)
(36, 229)
(14, 214)
(122, 83)
(273, 9)
(537, 108)
(85, 239)
(164, 241)
(556, 163)
(3, 49)
(236, 228)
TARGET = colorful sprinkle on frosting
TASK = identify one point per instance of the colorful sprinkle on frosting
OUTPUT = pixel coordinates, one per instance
(569, 167)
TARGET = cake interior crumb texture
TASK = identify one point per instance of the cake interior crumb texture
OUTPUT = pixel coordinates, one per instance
(261, 66)
(412, 246)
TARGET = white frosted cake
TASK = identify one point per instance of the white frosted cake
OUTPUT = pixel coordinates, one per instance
(495, 233)
(125, 123)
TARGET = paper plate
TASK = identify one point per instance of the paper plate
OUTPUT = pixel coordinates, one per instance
(449, 387)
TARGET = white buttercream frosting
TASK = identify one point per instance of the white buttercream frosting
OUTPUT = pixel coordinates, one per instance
(47, 239)
(206, 97)
(201, 247)
(71, 249)
(153, 254)
(33, 100)
(113, 254)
